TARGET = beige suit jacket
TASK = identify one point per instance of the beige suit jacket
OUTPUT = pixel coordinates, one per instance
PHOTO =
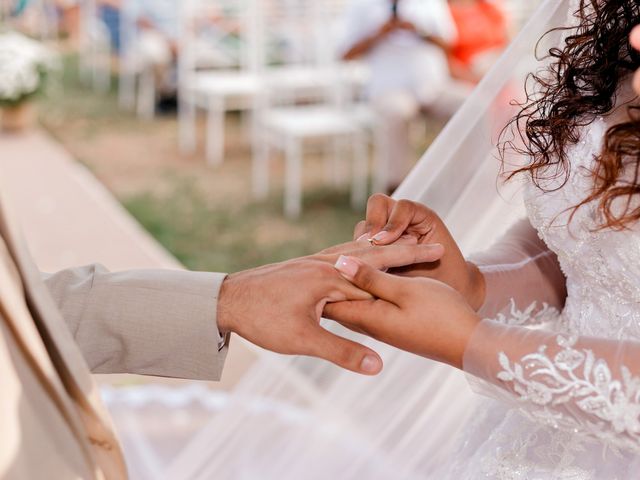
(52, 422)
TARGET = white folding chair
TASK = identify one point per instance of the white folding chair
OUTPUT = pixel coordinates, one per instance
(327, 115)
(216, 90)
(95, 48)
(137, 87)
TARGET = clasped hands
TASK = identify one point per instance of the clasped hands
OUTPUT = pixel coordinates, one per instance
(424, 304)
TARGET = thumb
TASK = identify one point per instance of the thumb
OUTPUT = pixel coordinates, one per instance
(344, 353)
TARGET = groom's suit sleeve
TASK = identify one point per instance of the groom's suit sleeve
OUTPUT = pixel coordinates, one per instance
(149, 322)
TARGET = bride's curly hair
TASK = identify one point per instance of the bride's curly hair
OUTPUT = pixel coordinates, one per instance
(580, 85)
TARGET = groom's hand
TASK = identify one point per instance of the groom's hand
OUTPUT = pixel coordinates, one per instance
(278, 307)
(389, 220)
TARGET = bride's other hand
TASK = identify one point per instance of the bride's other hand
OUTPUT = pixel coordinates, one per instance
(419, 315)
(635, 43)
(389, 220)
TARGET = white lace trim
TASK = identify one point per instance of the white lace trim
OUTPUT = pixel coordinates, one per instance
(576, 380)
(530, 316)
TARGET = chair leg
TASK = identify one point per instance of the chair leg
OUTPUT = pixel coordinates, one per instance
(382, 160)
(215, 131)
(146, 95)
(293, 179)
(260, 168)
(359, 172)
(334, 166)
(126, 86)
(187, 123)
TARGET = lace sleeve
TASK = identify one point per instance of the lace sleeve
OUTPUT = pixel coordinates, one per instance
(524, 283)
(590, 386)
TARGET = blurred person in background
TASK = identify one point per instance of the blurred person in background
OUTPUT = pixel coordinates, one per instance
(69, 19)
(404, 43)
(482, 35)
(109, 12)
(156, 47)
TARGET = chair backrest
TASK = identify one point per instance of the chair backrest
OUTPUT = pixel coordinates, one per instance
(298, 31)
(220, 34)
(299, 37)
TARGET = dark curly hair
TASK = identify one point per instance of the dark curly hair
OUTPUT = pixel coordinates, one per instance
(580, 85)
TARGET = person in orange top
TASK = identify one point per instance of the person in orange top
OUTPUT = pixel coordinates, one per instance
(482, 34)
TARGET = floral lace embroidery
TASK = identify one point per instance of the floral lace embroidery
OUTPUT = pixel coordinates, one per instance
(529, 316)
(533, 452)
(572, 379)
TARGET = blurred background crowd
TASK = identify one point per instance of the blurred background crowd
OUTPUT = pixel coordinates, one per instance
(264, 121)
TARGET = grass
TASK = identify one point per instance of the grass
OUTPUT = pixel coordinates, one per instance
(224, 238)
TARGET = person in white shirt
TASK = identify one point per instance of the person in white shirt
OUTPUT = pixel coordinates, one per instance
(403, 42)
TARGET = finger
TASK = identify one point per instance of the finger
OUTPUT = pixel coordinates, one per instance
(360, 315)
(378, 209)
(344, 353)
(399, 255)
(405, 214)
(382, 285)
(337, 249)
(341, 290)
(360, 232)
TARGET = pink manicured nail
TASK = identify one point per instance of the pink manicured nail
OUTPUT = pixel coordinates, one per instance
(347, 266)
(366, 236)
(370, 364)
(382, 236)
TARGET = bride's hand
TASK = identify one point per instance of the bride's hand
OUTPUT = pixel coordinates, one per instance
(635, 43)
(389, 220)
(419, 315)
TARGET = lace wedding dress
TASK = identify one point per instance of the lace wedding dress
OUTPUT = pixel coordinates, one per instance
(563, 358)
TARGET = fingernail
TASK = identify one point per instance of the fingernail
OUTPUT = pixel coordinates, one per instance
(370, 364)
(363, 237)
(382, 236)
(347, 266)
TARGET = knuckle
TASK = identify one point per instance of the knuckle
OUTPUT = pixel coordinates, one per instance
(378, 198)
(404, 204)
(345, 355)
(325, 269)
(365, 280)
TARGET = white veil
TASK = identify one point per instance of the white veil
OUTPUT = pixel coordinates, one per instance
(300, 418)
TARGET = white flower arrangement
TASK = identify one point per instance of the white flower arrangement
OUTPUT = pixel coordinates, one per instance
(24, 65)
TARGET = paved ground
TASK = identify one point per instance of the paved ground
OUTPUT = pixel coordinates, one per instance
(69, 219)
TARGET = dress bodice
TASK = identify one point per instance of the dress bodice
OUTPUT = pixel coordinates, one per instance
(602, 266)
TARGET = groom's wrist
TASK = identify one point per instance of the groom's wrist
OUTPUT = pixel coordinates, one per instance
(227, 299)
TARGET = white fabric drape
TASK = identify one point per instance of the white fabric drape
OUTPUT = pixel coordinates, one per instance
(293, 418)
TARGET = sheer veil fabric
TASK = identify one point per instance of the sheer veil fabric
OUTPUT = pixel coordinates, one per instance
(293, 418)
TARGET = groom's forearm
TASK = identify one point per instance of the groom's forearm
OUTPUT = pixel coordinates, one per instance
(149, 322)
